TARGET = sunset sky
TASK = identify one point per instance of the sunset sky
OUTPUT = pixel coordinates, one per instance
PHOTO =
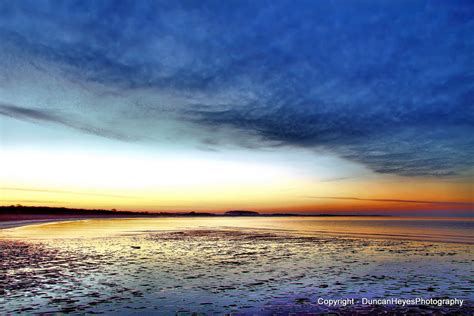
(273, 106)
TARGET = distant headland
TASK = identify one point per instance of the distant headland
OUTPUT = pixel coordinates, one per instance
(241, 213)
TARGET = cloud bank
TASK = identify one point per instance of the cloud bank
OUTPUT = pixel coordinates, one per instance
(387, 85)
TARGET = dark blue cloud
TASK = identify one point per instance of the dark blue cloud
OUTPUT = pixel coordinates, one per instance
(386, 84)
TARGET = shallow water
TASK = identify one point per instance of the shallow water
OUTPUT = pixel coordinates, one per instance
(406, 228)
(220, 265)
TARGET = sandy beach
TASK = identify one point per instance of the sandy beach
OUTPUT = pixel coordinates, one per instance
(222, 270)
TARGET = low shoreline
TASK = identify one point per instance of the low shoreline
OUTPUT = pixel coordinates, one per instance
(7, 224)
(26, 222)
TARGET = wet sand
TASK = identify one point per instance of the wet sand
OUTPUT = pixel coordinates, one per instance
(11, 221)
(20, 223)
(219, 271)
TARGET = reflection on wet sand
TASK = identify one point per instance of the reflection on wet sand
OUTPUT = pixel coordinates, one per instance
(218, 270)
(406, 228)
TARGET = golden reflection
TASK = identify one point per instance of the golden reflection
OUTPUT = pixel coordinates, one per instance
(441, 229)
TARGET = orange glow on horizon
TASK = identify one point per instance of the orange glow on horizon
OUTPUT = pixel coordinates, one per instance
(165, 185)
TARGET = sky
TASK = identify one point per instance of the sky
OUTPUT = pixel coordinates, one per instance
(349, 107)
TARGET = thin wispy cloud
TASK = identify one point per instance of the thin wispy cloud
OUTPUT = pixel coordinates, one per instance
(67, 192)
(32, 201)
(447, 203)
(336, 179)
(47, 116)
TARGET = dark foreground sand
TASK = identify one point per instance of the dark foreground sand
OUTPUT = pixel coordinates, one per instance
(229, 271)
